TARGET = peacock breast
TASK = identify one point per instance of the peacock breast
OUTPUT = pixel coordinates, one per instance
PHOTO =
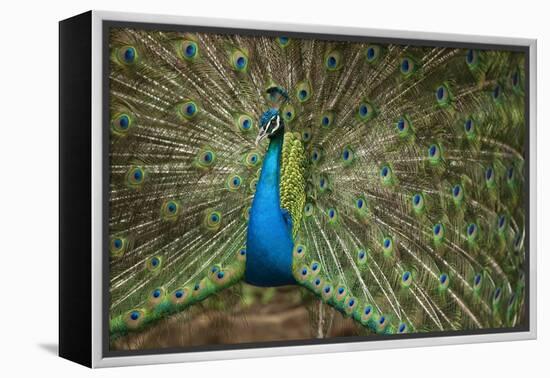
(269, 238)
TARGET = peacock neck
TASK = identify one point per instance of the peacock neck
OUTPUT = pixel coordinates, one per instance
(270, 174)
(269, 237)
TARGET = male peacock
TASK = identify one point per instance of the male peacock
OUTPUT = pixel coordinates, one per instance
(386, 179)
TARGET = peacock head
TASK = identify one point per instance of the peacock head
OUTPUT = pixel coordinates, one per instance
(271, 122)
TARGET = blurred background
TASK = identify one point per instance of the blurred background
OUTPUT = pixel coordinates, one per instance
(244, 314)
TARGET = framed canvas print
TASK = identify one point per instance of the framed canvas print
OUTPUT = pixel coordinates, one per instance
(233, 189)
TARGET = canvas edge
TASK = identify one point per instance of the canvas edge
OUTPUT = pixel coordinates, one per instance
(98, 360)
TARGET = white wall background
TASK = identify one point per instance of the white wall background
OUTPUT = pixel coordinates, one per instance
(29, 174)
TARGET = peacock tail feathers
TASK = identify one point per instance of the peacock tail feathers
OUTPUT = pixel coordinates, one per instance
(401, 170)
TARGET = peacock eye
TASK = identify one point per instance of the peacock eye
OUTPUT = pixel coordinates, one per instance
(239, 60)
(207, 157)
(303, 91)
(360, 203)
(233, 182)
(403, 126)
(212, 219)
(135, 177)
(365, 111)
(188, 110)
(121, 123)
(471, 232)
(331, 213)
(442, 95)
(443, 281)
(315, 154)
(406, 279)
(402, 328)
(458, 194)
(306, 135)
(288, 113)
(434, 153)
(418, 202)
(127, 55)
(469, 128)
(477, 281)
(308, 209)
(327, 119)
(472, 58)
(118, 246)
(252, 159)
(407, 66)
(244, 123)
(189, 49)
(170, 210)
(386, 175)
(153, 264)
(438, 230)
(333, 60)
(361, 256)
(387, 246)
(283, 41)
(323, 183)
(117, 243)
(347, 155)
(382, 322)
(490, 177)
(341, 290)
(299, 250)
(373, 53)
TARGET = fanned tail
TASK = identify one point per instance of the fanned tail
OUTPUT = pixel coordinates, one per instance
(414, 216)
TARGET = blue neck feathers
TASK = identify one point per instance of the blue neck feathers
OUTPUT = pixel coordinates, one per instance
(269, 241)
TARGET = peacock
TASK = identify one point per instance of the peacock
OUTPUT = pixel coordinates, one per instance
(387, 180)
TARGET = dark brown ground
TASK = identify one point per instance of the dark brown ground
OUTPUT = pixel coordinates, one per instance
(243, 315)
